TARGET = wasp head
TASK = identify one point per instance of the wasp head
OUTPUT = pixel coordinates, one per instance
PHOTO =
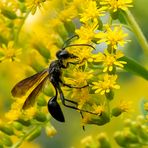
(64, 54)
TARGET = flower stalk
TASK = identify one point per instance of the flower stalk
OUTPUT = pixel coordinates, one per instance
(137, 30)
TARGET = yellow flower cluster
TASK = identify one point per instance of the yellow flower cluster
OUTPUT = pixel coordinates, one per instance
(115, 5)
(92, 24)
(106, 85)
(9, 52)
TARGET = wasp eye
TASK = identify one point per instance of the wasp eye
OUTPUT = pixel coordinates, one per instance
(63, 54)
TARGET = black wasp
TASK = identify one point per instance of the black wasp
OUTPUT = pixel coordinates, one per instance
(53, 73)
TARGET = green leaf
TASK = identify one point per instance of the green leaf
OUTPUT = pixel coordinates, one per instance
(122, 18)
(135, 68)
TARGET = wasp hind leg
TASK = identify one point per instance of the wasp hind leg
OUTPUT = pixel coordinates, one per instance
(70, 106)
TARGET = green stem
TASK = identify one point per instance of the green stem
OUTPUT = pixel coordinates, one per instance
(21, 25)
(24, 137)
(108, 106)
(137, 30)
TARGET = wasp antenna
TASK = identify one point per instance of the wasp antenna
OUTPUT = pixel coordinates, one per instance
(80, 45)
(64, 45)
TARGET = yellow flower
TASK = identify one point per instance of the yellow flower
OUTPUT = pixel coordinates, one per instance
(68, 13)
(87, 32)
(78, 79)
(29, 113)
(106, 85)
(113, 37)
(84, 55)
(15, 111)
(125, 106)
(110, 60)
(114, 5)
(13, 115)
(34, 4)
(9, 53)
(91, 11)
(98, 109)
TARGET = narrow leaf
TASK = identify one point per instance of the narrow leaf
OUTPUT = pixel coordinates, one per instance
(135, 68)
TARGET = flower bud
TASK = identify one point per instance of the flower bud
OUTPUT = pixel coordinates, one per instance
(114, 15)
(17, 125)
(103, 119)
(50, 131)
(116, 111)
(6, 141)
(130, 137)
(140, 131)
(110, 95)
(7, 129)
(120, 139)
(24, 122)
(103, 140)
(41, 117)
(34, 134)
(128, 122)
(41, 101)
(8, 13)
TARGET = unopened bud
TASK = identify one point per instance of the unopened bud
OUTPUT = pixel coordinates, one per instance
(18, 125)
(50, 131)
(41, 101)
(24, 122)
(110, 95)
(128, 122)
(114, 15)
(8, 13)
(41, 117)
(101, 120)
(140, 130)
(7, 130)
(116, 111)
(120, 139)
(130, 137)
(103, 140)
(6, 141)
(36, 133)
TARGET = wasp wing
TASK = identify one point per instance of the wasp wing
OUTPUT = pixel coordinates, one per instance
(29, 84)
(32, 96)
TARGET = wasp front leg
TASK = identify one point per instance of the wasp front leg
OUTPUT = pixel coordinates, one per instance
(70, 86)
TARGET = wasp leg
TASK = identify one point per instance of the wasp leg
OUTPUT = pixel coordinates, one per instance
(70, 86)
(83, 127)
(73, 107)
